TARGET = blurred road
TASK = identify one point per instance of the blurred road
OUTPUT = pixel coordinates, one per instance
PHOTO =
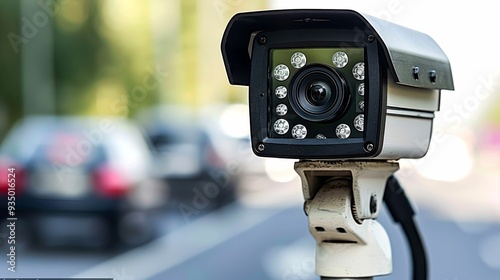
(251, 241)
(281, 248)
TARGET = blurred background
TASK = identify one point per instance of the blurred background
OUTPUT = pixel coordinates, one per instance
(133, 160)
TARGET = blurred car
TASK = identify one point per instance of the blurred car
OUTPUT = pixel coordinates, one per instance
(189, 158)
(69, 168)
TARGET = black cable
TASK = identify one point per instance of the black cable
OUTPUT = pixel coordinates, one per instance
(402, 212)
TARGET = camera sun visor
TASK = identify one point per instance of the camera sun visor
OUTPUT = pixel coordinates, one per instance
(414, 58)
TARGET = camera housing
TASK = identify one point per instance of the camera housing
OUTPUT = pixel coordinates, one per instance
(335, 84)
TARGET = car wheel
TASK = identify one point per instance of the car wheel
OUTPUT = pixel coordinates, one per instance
(135, 228)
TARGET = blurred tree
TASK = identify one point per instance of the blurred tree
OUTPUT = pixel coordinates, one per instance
(116, 57)
(101, 56)
(10, 72)
(199, 78)
(79, 52)
(103, 61)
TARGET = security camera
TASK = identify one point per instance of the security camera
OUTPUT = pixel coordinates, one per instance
(335, 84)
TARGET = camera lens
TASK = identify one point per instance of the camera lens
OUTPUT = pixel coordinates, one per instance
(318, 93)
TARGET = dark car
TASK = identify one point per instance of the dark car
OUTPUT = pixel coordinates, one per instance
(70, 169)
(188, 159)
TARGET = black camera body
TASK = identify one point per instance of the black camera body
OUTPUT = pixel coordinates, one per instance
(335, 84)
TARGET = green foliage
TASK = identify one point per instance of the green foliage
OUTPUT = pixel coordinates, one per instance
(10, 73)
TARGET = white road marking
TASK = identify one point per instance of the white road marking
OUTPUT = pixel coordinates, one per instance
(183, 244)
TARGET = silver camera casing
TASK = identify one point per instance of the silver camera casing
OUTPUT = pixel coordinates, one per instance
(409, 121)
(415, 70)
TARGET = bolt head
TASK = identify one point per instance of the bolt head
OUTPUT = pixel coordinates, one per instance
(369, 147)
(261, 147)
